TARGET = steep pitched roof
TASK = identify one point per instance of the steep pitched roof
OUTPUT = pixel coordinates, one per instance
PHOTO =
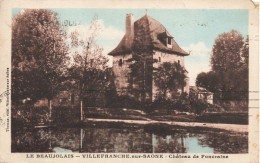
(151, 31)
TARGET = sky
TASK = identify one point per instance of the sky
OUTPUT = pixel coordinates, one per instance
(194, 30)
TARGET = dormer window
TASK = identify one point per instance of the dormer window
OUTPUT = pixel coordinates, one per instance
(166, 39)
(169, 41)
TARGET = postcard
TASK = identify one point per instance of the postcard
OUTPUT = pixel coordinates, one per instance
(129, 81)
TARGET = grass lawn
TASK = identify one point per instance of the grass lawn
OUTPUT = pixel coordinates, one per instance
(166, 115)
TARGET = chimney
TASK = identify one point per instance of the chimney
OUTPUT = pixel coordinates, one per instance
(129, 33)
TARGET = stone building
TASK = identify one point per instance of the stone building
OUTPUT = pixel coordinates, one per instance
(202, 94)
(149, 38)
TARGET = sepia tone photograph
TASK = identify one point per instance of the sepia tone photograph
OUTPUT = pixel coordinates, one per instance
(129, 80)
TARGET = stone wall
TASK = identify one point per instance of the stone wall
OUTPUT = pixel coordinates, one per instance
(121, 72)
(166, 57)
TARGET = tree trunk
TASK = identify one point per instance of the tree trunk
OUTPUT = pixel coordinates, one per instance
(144, 93)
(50, 109)
(81, 110)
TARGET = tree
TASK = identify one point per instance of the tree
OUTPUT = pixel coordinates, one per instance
(169, 78)
(226, 52)
(141, 65)
(209, 80)
(140, 83)
(89, 64)
(229, 61)
(39, 54)
(243, 71)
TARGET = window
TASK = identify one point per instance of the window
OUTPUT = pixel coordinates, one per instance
(179, 63)
(120, 63)
(159, 59)
(169, 40)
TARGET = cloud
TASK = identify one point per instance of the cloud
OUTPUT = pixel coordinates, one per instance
(107, 37)
(196, 67)
(112, 33)
(199, 49)
(198, 61)
(104, 32)
(106, 50)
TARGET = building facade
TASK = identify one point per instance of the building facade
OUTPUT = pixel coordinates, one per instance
(148, 41)
(202, 94)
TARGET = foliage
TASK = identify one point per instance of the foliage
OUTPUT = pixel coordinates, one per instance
(85, 50)
(169, 78)
(229, 61)
(198, 106)
(226, 52)
(244, 70)
(184, 103)
(162, 103)
(110, 92)
(141, 67)
(127, 102)
(89, 67)
(113, 100)
(24, 115)
(29, 115)
(38, 52)
(209, 80)
(140, 83)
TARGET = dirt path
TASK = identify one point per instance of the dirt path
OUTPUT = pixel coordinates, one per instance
(228, 127)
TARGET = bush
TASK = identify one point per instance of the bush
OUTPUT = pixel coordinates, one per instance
(65, 115)
(162, 103)
(181, 103)
(199, 106)
(185, 103)
(124, 101)
(25, 115)
(29, 115)
(111, 97)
